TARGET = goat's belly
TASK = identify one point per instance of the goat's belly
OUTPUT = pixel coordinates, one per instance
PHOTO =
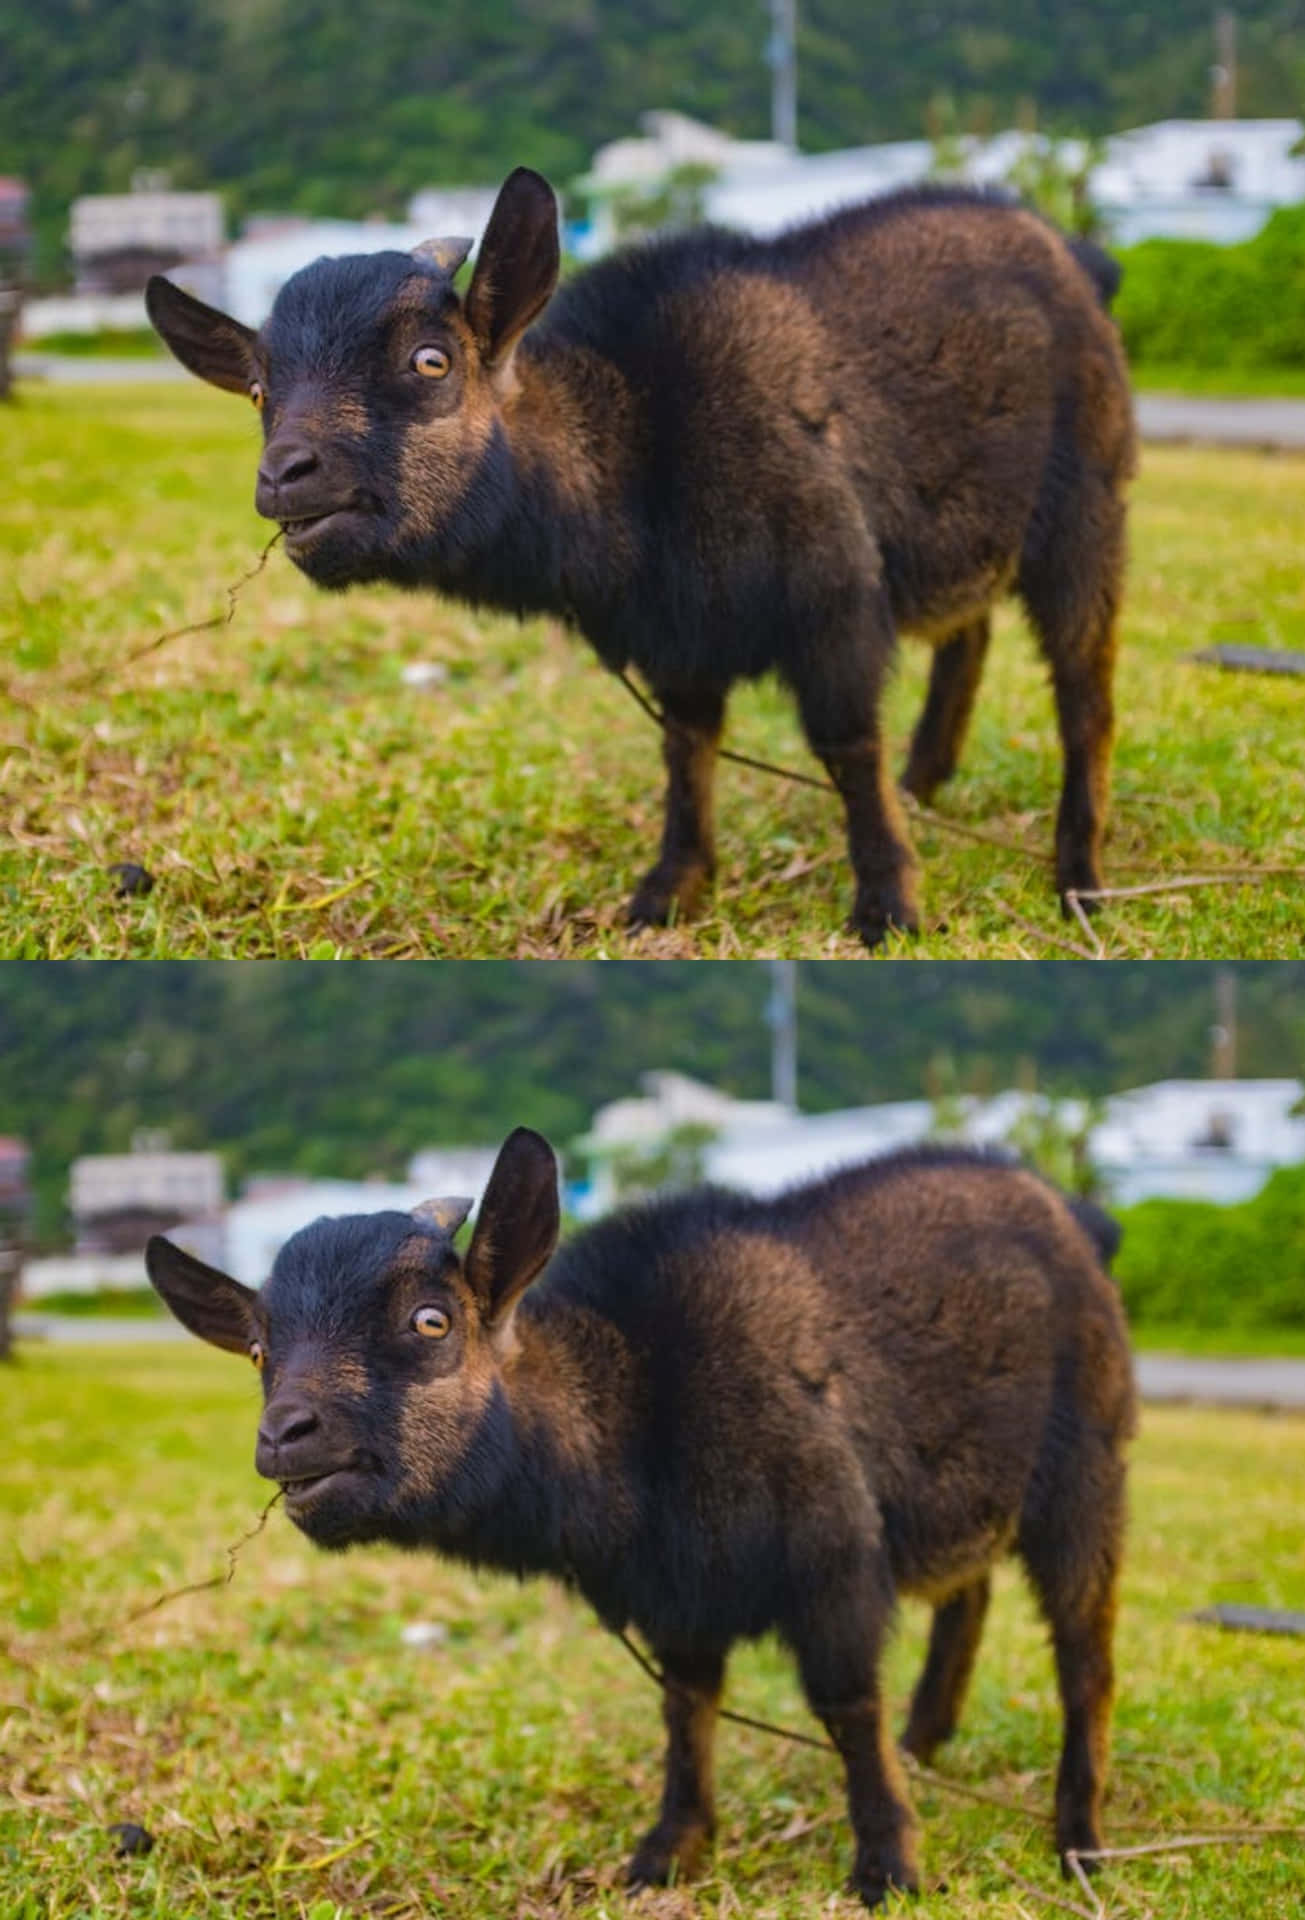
(946, 612)
(939, 1574)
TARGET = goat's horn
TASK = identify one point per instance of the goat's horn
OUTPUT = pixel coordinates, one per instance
(447, 255)
(447, 1215)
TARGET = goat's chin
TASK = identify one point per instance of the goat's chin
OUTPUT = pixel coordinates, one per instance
(335, 1523)
(355, 556)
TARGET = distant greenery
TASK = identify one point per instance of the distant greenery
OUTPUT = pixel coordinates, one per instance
(1215, 307)
(1218, 1267)
(304, 104)
(348, 1070)
(116, 343)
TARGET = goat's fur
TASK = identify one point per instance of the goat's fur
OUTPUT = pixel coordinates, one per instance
(720, 1416)
(720, 457)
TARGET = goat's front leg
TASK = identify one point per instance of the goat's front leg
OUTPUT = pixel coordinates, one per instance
(688, 854)
(838, 685)
(688, 1817)
(838, 1642)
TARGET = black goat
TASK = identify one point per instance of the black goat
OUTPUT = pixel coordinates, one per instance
(720, 457)
(718, 1416)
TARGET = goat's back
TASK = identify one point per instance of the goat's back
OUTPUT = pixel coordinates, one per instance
(925, 1330)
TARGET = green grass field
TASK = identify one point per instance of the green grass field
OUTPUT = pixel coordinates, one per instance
(293, 797)
(292, 1757)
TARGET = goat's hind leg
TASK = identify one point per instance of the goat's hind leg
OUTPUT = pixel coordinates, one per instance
(687, 1820)
(1071, 583)
(940, 1691)
(688, 852)
(940, 731)
(1072, 1551)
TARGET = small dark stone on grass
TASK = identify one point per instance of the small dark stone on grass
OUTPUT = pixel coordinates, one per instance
(130, 1838)
(131, 878)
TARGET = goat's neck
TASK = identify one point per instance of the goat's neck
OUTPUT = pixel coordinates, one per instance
(549, 502)
(549, 1454)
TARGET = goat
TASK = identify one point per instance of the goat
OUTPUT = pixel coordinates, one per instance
(719, 1416)
(719, 457)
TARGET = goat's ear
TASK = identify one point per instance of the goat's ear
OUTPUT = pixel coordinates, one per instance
(209, 1302)
(516, 1228)
(210, 343)
(516, 268)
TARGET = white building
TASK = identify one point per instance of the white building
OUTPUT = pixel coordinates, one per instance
(183, 224)
(1198, 179)
(1194, 179)
(1215, 1140)
(145, 1182)
(1199, 1139)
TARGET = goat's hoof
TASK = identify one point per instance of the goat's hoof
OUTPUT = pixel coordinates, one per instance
(922, 1742)
(665, 892)
(922, 781)
(881, 911)
(1077, 1833)
(665, 1852)
(873, 1884)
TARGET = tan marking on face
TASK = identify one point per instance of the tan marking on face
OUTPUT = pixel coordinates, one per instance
(439, 1416)
(439, 456)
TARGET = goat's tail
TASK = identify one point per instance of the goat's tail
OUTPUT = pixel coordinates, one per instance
(1101, 268)
(1101, 1228)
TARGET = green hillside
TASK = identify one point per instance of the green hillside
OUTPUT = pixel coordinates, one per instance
(307, 104)
(349, 1069)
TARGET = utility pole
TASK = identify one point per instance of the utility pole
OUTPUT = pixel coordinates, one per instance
(1223, 74)
(1223, 1034)
(781, 58)
(781, 1018)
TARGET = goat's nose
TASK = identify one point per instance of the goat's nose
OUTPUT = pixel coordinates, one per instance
(281, 1425)
(281, 466)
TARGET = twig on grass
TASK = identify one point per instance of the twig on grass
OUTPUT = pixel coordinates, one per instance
(1042, 933)
(1079, 912)
(1040, 1893)
(1183, 1842)
(219, 1579)
(1075, 1866)
(1184, 883)
(218, 619)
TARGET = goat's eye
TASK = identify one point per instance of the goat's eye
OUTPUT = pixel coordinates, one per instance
(256, 394)
(256, 1354)
(432, 1321)
(432, 361)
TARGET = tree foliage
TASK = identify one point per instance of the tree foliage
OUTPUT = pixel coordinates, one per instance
(306, 104)
(348, 1070)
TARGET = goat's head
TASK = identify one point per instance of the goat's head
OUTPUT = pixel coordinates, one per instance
(379, 387)
(379, 1348)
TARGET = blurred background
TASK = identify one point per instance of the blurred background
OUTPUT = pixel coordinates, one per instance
(229, 1105)
(228, 144)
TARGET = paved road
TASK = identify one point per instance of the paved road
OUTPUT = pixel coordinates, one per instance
(69, 369)
(1162, 416)
(1224, 423)
(1222, 1383)
(1163, 1377)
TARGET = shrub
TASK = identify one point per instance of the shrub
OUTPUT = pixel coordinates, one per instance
(1189, 1261)
(1190, 302)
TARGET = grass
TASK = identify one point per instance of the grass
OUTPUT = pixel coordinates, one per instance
(292, 1757)
(293, 797)
(1233, 383)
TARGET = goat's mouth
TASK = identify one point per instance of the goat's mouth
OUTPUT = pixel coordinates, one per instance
(305, 1488)
(304, 528)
